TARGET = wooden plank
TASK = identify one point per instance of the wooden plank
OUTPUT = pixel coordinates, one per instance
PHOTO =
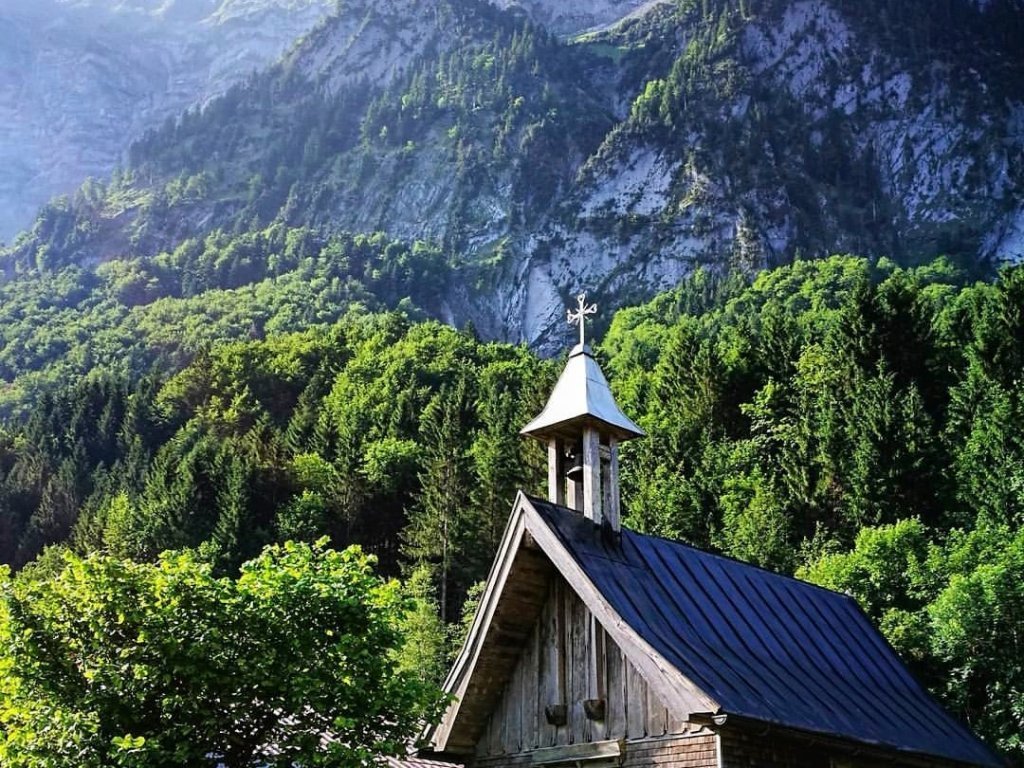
(563, 651)
(497, 735)
(513, 714)
(636, 703)
(528, 728)
(579, 671)
(615, 711)
(594, 750)
(598, 659)
(547, 669)
(562, 641)
(656, 715)
(676, 723)
(598, 675)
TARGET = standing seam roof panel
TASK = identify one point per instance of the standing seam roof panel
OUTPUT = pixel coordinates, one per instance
(865, 673)
(777, 695)
(823, 666)
(881, 655)
(781, 649)
(737, 680)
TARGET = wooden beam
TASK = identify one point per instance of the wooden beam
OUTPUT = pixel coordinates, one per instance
(612, 513)
(592, 475)
(556, 472)
(595, 750)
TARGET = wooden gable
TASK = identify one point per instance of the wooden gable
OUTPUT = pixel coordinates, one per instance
(569, 660)
(511, 644)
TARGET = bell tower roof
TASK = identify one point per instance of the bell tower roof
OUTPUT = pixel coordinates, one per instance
(581, 397)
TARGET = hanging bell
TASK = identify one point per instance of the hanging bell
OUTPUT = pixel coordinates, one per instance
(575, 472)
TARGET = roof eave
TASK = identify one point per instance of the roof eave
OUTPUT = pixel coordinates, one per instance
(564, 428)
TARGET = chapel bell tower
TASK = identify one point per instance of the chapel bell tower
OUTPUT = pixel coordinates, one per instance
(582, 426)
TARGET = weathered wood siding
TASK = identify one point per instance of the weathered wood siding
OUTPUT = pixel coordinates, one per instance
(688, 751)
(518, 723)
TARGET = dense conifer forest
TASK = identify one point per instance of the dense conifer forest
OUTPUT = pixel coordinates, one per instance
(854, 423)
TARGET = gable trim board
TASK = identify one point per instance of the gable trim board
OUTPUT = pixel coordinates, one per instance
(710, 635)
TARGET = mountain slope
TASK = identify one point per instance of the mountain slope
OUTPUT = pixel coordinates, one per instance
(80, 79)
(802, 128)
(720, 133)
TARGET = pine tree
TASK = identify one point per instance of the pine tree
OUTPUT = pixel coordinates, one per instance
(438, 521)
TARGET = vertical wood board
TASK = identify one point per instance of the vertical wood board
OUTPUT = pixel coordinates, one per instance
(567, 658)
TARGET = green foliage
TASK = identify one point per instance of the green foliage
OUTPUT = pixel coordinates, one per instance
(337, 431)
(859, 424)
(129, 316)
(852, 422)
(804, 407)
(975, 620)
(116, 663)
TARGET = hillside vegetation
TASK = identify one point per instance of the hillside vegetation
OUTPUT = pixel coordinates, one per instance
(855, 423)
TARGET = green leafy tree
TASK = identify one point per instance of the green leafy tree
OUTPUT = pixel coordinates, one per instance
(295, 661)
(975, 631)
(425, 638)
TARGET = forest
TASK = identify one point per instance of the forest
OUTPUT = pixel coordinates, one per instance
(850, 422)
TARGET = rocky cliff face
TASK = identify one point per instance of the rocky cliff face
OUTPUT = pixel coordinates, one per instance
(579, 16)
(639, 142)
(808, 132)
(80, 79)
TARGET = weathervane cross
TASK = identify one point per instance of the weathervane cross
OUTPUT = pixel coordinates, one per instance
(580, 315)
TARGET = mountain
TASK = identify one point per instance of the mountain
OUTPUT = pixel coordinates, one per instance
(80, 79)
(725, 133)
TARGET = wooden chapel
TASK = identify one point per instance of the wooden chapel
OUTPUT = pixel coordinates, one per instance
(595, 646)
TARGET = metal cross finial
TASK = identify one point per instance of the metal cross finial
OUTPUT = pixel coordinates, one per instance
(580, 315)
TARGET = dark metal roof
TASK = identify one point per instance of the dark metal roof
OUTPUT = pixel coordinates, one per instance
(764, 646)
